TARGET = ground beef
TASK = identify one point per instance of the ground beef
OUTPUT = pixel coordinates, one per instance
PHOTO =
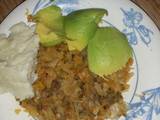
(67, 90)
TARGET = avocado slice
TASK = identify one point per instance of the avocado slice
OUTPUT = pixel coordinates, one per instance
(81, 25)
(49, 25)
(47, 36)
(108, 51)
(51, 17)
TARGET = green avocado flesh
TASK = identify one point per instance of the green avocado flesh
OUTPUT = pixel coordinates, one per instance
(51, 17)
(47, 36)
(49, 26)
(108, 51)
(81, 25)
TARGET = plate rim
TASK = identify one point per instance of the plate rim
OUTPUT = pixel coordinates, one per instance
(138, 6)
(145, 11)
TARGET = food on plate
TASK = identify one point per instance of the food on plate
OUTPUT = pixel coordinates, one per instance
(67, 90)
(18, 54)
(82, 69)
(108, 51)
(81, 25)
(69, 86)
(83, 77)
(49, 25)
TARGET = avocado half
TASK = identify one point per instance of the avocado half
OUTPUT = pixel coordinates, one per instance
(108, 51)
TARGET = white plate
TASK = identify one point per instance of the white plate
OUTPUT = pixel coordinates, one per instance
(144, 94)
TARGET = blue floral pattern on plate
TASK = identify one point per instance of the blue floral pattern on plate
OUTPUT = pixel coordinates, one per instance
(134, 29)
(149, 103)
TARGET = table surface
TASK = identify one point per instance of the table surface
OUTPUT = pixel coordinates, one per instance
(151, 7)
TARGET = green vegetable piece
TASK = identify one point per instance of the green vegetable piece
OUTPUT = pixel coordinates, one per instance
(47, 36)
(108, 51)
(50, 17)
(81, 25)
(49, 26)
